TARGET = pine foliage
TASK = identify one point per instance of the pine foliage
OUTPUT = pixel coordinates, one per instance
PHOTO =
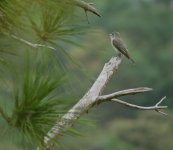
(33, 37)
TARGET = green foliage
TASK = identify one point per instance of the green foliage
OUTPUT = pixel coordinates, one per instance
(54, 22)
(18, 13)
(36, 95)
(37, 102)
(51, 23)
(9, 15)
(36, 108)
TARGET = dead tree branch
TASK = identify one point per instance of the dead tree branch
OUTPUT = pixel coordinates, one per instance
(84, 103)
(87, 7)
(124, 93)
(92, 97)
(155, 107)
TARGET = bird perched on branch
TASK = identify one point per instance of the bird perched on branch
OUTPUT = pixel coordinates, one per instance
(119, 45)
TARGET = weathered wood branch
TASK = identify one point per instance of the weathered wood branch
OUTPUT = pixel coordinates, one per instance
(87, 7)
(84, 103)
(124, 93)
(92, 97)
(155, 107)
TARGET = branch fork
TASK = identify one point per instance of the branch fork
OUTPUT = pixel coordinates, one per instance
(93, 97)
(88, 7)
(157, 106)
(113, 97)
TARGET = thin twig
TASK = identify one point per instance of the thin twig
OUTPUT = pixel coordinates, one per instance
(155, 107)
(33, 45)
(159, 104)
(87, 16)
(124, 93)
(161, 101)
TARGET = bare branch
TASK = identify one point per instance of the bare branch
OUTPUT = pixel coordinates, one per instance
(31, 44)
(87, 17)
(85, 103)
(159, 104)
(155, 107)
(87, 7)
(92, 97)
(161, 101)
(124, 93)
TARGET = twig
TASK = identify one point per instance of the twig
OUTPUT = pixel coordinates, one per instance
(159, 104)
(124, 93)
(31, 44)
(87, 7)
(161, 101)
(87, 17)
(155, 107)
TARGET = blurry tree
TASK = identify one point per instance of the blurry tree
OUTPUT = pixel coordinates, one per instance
(34, 65)
(146, 131)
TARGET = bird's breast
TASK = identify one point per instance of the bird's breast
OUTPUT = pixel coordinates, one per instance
(113, 46)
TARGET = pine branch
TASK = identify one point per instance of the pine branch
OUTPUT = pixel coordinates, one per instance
(33, 45)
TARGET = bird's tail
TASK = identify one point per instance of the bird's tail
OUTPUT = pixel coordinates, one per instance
(132, 60)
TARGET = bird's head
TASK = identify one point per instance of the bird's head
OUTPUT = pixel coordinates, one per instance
(114, 35)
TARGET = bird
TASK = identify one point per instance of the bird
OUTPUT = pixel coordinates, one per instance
(118, 44)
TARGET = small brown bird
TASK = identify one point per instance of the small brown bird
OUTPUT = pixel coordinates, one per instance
(119, 45)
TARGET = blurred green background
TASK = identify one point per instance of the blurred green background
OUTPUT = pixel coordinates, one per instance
(147, 29)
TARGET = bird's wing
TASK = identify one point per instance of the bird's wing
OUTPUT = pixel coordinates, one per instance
(118, 43)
